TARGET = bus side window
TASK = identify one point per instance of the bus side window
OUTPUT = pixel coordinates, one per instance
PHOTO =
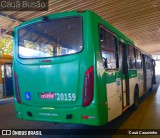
(105, 62)
(138, 59)
(131, 57)
(108, 45)
(148, 62)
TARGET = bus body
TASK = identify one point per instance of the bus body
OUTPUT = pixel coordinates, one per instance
(74, 67)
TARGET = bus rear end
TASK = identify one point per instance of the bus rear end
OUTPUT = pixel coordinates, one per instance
(53, 73)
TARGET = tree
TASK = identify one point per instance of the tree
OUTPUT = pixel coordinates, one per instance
(6, 46)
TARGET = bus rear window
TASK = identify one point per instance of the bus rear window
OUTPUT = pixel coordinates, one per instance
(51, 38)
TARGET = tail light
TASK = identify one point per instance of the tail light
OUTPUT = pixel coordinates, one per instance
(18, 97)
(88, 87)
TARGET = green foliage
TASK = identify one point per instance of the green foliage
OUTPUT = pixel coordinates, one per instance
(6, 46)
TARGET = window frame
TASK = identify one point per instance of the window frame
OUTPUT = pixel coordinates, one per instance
(134, 53)
(50, 20)
(116, 52)
(149, 62)
(139, 52)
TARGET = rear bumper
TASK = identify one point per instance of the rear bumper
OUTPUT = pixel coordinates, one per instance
(57, 115)
(77, 115)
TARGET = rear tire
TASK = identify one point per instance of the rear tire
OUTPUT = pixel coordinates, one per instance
(136, 97)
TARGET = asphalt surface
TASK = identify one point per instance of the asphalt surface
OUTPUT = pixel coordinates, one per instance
(129, 120)
(8, 121)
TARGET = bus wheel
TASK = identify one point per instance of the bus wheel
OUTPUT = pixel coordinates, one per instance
(136, 97)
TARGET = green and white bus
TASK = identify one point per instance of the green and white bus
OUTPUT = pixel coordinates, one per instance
(74, 67)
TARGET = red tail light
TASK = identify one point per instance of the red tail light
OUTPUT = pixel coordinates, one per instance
(17, 88)
(88, 87)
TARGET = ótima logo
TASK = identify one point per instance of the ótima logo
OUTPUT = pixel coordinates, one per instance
(27, 95)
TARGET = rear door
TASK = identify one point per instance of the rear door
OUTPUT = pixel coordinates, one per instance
(124, 75)
(109, 52)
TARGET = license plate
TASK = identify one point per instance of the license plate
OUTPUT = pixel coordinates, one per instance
(47, 95)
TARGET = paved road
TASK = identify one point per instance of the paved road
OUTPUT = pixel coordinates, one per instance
(8, 120)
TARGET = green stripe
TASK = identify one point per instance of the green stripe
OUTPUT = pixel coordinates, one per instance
(132, 73)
